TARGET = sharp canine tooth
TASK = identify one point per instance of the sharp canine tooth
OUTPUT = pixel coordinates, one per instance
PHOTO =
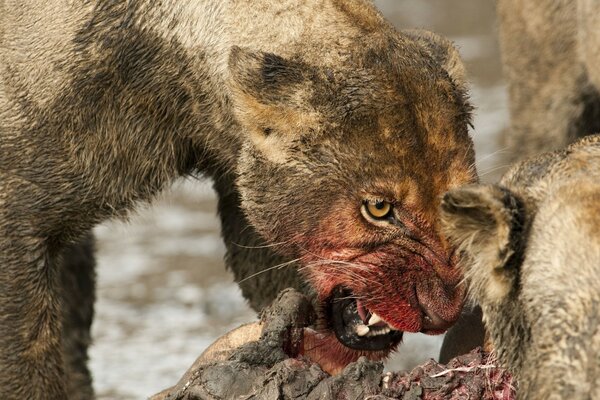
(374, 319)
(362, 330)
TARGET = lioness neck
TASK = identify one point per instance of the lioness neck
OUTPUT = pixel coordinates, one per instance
(318, 32)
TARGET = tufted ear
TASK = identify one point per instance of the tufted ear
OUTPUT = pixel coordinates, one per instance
(444, 52)
(486, 223)
(271, 97)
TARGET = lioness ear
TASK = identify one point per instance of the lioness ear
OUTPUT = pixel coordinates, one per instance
(270, 96)
(444, 52)
(486, 222)
(483, 219)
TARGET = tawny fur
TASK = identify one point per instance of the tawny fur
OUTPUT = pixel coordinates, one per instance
(551, 61)
(538, 286)
(298, 110)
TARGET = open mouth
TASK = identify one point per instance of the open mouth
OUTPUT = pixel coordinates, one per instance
(356, 326)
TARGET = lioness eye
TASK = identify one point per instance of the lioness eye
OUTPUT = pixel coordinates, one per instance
(378, 209)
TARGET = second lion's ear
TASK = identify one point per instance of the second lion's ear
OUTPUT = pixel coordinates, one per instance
(482, 220)
(486, 223)
(271, 97)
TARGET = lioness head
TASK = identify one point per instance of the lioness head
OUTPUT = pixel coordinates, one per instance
(344, 167)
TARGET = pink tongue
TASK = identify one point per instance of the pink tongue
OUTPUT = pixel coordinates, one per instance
(363, 313)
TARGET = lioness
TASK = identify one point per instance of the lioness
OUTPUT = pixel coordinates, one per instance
(532, 260)
(329, 136)
(551, 61)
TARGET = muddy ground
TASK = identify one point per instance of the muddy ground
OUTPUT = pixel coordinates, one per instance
(272, 368)
(163, 293)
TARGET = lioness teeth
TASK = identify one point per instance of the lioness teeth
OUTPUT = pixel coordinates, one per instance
(375, 326)
(378, 331)
(374, 319)
(362, 330)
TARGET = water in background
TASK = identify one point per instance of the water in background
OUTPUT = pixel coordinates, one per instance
(163, 292)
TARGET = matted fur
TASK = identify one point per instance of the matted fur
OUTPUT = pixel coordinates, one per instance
(298, 110)
(538, 286)
(551, 61)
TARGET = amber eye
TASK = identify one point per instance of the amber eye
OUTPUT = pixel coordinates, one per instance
(378, 209)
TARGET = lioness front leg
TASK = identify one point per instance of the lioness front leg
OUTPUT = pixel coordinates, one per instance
(30, 346)
(31, 361)
(77, 285)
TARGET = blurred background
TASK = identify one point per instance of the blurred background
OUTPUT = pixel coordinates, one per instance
(163, 291)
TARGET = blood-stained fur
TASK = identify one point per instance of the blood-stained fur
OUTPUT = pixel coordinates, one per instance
(328, 134)
(532, 261)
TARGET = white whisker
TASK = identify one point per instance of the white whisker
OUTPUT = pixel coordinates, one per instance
(261, 246)
(497, 168)
(284, 264)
